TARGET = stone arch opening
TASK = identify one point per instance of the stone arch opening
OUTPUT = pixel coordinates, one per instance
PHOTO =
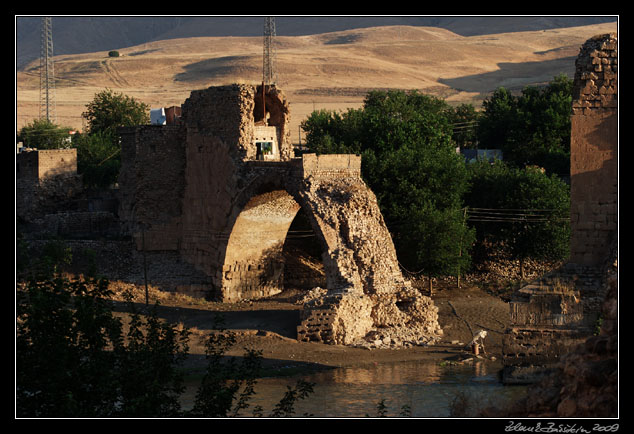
(258, 246)
(303, 253)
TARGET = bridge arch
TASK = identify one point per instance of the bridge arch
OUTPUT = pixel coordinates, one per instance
(200, 187)
(258, 228)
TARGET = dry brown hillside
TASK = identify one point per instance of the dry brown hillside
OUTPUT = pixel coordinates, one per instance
(331, 70)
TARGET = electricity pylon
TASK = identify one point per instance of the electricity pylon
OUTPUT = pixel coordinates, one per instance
(268, 76)
(47, 74)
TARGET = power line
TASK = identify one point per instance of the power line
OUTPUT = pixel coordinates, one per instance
(524, 215)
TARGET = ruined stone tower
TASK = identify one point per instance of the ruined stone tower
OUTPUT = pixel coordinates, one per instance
(553, 315)
(221, 187)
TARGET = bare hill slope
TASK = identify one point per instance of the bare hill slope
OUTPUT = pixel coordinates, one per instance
(330, 70)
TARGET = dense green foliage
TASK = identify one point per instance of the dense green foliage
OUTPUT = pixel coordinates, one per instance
(532, 128)
(99, 150)
(44, 134)
(464, 120)
(407, 141)
(98, 159)
(522, 209)
(109, 111)
(409, 162)
(73, 358)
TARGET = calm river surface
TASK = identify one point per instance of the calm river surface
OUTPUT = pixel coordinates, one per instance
(429, 390)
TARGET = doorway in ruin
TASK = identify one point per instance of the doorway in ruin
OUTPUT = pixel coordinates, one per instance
(272, 246)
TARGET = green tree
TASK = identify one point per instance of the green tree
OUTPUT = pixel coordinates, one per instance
(498, 125)
(109, 111)
(98, 150)
(523, 209)
(532, 128)
(64, 333)
(74, 360)
(332, 132)
(465, 120)
(409, 162)
(44, 134)
(98, 159)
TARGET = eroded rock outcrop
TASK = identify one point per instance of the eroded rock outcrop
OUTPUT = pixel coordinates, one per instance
(369, 303)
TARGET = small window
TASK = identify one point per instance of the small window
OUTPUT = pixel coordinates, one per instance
(263, 149)
(267, 148)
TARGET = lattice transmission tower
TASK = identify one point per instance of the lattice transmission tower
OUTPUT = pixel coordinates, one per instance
(269, 74)
(47, 73)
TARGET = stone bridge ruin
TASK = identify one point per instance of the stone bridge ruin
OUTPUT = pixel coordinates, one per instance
(220, 186)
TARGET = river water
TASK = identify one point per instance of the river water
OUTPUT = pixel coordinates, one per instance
(427, 389)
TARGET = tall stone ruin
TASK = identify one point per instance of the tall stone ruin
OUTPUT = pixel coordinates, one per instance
(552, 316)
(221, 187)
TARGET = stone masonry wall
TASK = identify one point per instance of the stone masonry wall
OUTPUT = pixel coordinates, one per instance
(56, 162)
(368, 302)
(197, 188)
(151, 184)
(45, 181)
(552, 316)
(594, 151)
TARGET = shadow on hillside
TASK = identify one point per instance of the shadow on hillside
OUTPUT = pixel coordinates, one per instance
(236, 66)
(513, 76)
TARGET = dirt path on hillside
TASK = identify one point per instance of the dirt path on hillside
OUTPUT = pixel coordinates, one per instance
(270, 326)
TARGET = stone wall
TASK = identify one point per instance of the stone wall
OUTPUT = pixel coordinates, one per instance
(558, 312)
(46, 180)
(330, 165)
(594, 151)
(57, 162)
(27, 166)
(151, 184)
(41, 164)
(585, 381)
(198, 188)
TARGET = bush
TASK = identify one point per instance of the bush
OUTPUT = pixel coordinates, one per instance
(113, 53)
(532, 128)
(44, 134)
(75, 358)
(98, 159)
(110, 110)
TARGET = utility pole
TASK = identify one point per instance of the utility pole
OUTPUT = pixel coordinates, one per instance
(47, 74)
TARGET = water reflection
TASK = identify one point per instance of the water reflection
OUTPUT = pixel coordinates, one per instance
(384, 374)
(428, 389)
